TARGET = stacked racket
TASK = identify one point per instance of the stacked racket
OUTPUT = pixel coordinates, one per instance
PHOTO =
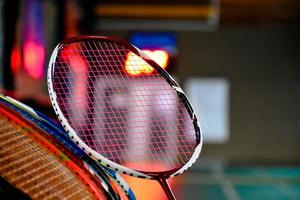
(58, 135)
(122, 109)
(40, 167)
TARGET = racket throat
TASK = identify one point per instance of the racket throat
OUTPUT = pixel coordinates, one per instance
(166, 187)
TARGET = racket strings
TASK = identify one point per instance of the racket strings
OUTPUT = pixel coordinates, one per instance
(33, 170)
(125, 116)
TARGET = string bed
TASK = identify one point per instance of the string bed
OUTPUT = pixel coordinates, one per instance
(121, 107)
(37, 168)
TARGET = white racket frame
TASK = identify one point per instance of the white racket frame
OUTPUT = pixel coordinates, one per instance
(92, 153)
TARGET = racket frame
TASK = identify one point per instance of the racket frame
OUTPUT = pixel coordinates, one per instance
(59, 133)
(65, 157)
(95, 155)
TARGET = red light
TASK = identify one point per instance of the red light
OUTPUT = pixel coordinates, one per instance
(15, 59)
(79, 66)
(34, 55)
(75, 60)
(135, 65)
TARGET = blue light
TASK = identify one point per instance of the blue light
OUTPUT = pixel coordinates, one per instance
(155, 40)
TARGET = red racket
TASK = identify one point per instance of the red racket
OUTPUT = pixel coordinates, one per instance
(41, 169)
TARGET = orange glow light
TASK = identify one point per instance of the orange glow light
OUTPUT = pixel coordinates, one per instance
(135, 65)
(147, 189)
(159, 56)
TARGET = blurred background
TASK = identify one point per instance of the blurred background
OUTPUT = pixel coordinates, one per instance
(237, 60)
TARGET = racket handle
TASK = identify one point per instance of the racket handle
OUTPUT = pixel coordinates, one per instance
(166, 187)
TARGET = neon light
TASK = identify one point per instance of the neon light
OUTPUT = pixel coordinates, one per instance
(135, 65)
(34, 56)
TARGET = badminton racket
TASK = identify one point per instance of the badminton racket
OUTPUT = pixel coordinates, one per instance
(39, 168)
(123, 109)
(52, 128)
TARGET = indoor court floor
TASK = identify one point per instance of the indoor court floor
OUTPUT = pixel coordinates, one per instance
(241, 183)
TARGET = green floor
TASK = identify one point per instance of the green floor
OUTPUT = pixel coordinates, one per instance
(240, 183)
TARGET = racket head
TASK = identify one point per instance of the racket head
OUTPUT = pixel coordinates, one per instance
(52, 129)
(85, 73)
(40, 168)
